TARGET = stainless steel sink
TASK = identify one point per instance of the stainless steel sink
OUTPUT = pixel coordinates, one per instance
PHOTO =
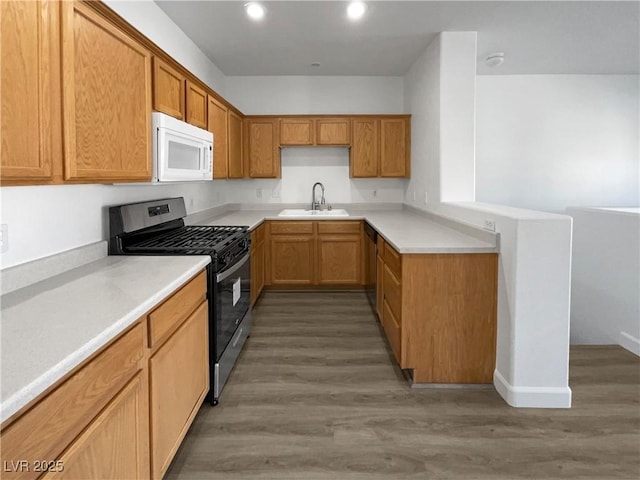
(301, 212)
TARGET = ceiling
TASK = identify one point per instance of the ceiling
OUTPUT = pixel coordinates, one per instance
(572, 37)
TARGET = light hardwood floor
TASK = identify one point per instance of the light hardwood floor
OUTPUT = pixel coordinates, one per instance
(316, 395)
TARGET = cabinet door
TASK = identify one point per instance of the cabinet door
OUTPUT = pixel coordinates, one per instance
(392, 330)
(218, 125)
(296, 131)
(264, 155)
(394, 148)
(236, 166)
(116, 443)
(179, 379)
(28, 69)
(333, 131)
(196, 105)
(291, 259)
(168, 89)
(379, 285)
(106, 99)
(364, 148)
(339, 259)
(257, 263)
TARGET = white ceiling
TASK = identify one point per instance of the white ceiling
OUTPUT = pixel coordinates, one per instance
(573, 37)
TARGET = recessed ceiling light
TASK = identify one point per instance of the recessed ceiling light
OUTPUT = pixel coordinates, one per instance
(254, 10)
(356, 10)
(494, 59)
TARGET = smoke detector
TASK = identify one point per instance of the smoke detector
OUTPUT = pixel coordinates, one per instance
(494, 59)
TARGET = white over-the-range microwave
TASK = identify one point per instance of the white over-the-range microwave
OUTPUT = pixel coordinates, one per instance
(181, 152)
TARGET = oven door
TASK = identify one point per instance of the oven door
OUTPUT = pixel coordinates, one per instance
(232, 292)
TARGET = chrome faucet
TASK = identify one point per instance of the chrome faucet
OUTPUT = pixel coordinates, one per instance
(314, 204)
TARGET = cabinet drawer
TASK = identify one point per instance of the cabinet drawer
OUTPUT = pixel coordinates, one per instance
(326, 226)
(393, 292)
(45, 431)
(285, 228)
(393, 260)
(166, 318)
(391, 329)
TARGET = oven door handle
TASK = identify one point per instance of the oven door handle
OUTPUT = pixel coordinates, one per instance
(227, 273)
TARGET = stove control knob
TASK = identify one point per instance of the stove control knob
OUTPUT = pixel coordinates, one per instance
(244, 243)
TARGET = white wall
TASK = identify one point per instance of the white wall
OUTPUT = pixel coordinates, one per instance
(422, 101)
(458, 55)
(551, 141)
(151, 21)
(439, 92)
(274, 95)
(302, 167)
(535, 251)
(605, 293)
(45, 220)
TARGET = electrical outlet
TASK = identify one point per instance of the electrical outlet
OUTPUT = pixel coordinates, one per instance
(374, 193)
(275, 193)
(490, 225)
(426, 199)
(4, 237)
(414, 196)
(191, 203)
(258, 193)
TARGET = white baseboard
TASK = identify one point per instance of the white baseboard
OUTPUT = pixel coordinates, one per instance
(532, 397)
(630, 343)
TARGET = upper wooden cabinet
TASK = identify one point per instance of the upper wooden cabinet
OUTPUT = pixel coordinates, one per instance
(263, 152)
(394, 146)
(296, 131)
(106, 99)
(29, 72)
(321, 131)
(196, 105)
(236, 146)
(168, 89)
(380, 147)
(219, 126)
(364, 148)
(333, 131)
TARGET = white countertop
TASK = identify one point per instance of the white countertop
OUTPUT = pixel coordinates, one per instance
(52, 326)
(407, 232)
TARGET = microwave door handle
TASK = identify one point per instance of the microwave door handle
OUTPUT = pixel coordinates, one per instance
(227, 273)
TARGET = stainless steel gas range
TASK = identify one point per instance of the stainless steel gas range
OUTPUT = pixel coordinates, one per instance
(158, 228)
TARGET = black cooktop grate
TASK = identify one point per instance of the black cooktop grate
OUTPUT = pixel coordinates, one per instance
(211, 239)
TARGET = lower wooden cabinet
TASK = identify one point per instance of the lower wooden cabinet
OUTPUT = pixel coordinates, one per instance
(179, 379)
(123, 413)
(115, 444)
(305, 253)
(257, 262)
(292, 258)
(439, 313)
(339, 253)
